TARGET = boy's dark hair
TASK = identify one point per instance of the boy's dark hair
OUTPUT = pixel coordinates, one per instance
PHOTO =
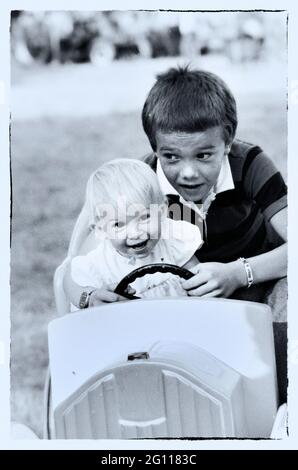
(183, 100)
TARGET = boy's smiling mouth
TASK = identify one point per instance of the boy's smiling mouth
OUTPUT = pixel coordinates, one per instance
(190, 186)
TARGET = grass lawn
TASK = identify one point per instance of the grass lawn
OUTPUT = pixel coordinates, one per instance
(51, 160)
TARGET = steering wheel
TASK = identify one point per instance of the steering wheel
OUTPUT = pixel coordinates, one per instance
(149, 269)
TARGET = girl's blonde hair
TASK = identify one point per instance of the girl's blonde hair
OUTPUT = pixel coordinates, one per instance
(125, 178)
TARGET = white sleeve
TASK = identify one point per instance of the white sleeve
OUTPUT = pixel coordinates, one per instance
(185, 239)
(84, 270)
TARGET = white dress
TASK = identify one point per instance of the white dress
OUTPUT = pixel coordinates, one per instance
(104, 265)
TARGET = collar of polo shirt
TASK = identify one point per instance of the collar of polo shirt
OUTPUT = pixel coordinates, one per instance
(224, 183)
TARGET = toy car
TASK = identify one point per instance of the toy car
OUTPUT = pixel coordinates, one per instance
(171, 367)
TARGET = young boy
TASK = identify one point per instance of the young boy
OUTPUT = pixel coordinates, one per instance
(229, 187)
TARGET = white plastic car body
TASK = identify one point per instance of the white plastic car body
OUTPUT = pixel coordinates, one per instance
(170, 367)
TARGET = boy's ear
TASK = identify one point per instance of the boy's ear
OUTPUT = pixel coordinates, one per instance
(228, 148)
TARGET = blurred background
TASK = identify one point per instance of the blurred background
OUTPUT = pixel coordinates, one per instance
(78, 83)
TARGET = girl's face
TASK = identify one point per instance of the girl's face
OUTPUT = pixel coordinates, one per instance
(136, 231)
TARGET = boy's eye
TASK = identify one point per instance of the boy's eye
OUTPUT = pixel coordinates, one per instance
(203, 156)
(171, 157)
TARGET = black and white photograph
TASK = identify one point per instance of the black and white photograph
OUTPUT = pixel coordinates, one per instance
(148, 154)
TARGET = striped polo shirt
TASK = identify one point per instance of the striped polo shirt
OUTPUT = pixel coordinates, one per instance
(237, 220)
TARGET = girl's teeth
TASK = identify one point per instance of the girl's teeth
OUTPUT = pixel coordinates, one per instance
(139, 246)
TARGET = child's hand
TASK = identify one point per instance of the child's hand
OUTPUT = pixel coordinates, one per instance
(106, 294)
(216, 279)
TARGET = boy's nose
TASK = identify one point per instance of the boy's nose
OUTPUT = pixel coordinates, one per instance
(189, 172)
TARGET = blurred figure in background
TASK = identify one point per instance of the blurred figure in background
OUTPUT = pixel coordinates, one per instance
(29, 38)
(247, 42)
(59, 25)
(195, 33)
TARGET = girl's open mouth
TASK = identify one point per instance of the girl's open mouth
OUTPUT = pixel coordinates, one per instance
(139, 246)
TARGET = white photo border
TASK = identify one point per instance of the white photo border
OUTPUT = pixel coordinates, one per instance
(5, 7)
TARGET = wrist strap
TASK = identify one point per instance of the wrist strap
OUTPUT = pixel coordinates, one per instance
(85, 298)
(248, 271)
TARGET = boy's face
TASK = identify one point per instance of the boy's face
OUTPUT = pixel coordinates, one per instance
(191, 161)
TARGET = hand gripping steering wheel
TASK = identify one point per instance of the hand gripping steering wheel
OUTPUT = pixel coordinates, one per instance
(149, 269)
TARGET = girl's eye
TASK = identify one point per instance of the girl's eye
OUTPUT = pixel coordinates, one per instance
(118, 224)
(144, 216)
